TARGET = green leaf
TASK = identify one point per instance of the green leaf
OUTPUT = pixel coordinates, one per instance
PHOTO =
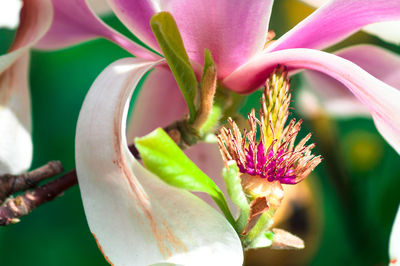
(264, 240)
(236, 194)
(171, 44)
(164, 158)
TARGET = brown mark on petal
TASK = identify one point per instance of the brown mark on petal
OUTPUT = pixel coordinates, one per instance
(7, 84)
(286, 240)
(163, 235)
(98, 245)
(257, 208)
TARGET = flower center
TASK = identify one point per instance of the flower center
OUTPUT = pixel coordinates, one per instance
(273, 157)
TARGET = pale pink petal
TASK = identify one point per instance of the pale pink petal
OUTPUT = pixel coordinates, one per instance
(100, 7)
(394, 245)
(233, 30)
(380, 63)
(136, 218)
(380, 98)
(136, 17)
(387, 31)
(322, 94)
(336, 20)
(74, 22)
(158, 104)
(15, 116)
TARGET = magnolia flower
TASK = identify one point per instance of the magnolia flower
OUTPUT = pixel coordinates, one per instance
(265, 164)
(136, 218)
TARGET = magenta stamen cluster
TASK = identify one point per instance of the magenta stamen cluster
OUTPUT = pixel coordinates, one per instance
(272, 167)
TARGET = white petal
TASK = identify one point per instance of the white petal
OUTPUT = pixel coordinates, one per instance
(15, 117)
(100, 7)
(394, 246)
(9, 13)
(136, 218)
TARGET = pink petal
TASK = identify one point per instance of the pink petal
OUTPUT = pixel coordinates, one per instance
(379, 62)
(380, 98)
(334, 98)
(136, 218)
(158, 104)
(136, 17)
(74, 22)
(335, 21)
(15, 113)
(233, 30)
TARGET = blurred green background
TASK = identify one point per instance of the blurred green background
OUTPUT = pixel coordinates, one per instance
(57, 232)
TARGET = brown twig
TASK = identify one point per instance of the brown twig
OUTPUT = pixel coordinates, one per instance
(25, 203)
(9, 184)
(22, 205)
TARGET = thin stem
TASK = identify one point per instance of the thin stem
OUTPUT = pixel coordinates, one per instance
(25, 203)
(10, 184)
(12, 209)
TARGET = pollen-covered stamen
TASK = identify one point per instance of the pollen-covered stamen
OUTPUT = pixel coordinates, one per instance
(275, 104)
(274, 157)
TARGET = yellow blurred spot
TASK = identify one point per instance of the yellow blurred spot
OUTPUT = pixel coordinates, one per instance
(364, 150)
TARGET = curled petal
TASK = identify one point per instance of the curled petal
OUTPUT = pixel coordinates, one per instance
(75, 22)
(15, 116)
(335, 99)
(336, 20)
(380, 98)
(378, 62)
(387, 31)
(136, 217)
(136, 17)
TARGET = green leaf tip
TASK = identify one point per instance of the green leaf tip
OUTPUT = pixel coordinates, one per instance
(169, 39)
